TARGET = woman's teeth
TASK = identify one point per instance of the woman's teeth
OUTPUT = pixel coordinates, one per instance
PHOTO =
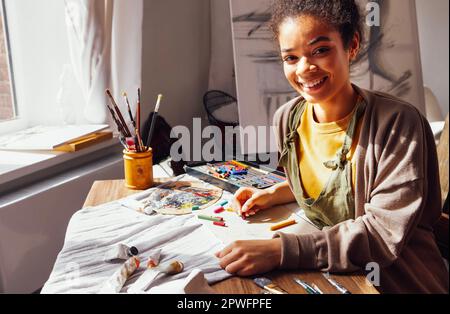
(313, 84)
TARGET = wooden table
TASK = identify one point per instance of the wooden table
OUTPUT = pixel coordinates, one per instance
(106, 191)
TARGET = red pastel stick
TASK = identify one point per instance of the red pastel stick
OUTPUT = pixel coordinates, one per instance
(220, 223)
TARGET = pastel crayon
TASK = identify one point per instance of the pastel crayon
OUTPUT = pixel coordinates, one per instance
(283, 224)
(219, 209)
(219, 223)
(239, 164)
(204, 217)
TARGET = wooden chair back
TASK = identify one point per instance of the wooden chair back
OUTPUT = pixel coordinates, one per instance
(441, 227)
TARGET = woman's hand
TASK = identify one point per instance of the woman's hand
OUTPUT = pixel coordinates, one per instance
(246, 258)
(248, 201)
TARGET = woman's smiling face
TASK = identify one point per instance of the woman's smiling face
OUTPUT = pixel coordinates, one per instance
(315, 61)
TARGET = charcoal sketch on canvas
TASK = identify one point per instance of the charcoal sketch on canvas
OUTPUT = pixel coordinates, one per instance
(389, 61)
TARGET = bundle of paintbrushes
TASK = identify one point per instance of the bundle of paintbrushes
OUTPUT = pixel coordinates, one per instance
(131, 140)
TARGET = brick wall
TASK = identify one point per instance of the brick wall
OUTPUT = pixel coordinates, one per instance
(6, 104)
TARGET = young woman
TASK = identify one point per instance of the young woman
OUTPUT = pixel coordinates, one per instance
(361, 164)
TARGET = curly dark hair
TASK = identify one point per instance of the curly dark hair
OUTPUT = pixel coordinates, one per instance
(344, 15)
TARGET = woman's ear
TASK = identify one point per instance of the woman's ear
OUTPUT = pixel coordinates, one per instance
(354, 46)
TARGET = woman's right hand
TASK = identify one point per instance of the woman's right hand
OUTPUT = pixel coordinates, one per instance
(248, 201)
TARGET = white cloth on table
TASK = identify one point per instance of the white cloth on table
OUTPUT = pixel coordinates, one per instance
(92, 231)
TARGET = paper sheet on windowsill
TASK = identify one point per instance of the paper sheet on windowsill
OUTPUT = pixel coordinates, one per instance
(46, 137)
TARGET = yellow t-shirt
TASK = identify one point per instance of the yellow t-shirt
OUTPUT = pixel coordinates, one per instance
(320, 142)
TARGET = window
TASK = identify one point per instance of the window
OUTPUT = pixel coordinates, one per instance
(38, 53)
(7, 100)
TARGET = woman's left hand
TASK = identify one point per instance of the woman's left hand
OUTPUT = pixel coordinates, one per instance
(246, 258)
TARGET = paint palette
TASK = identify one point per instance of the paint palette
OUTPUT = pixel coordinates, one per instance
(179, 197)
(231, 175)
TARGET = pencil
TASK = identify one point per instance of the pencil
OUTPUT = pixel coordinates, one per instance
(125, 96)
(152, 125)
(283, 224)
(116, 108)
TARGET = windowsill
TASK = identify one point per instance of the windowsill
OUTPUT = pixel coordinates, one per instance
(20, 168)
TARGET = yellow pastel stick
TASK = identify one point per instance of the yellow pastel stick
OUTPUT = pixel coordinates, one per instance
(237, 163)
(283, 224)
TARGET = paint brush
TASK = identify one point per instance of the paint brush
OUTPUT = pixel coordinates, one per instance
(139, 140)
(118, 124)
(138, 148)
(119, 114)
(152, 125)
(314, 286)
(268, 285)
(335, 284)
(125, 96)
(307, 287)
(138, 119)
(122, 141)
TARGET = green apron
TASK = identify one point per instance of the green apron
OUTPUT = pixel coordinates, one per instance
(336, 201)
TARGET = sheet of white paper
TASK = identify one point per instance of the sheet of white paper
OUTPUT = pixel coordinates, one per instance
(257, 226)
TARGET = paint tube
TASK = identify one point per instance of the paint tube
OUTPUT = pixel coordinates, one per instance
(151, 273)
(133, 204)
(153, 258)
(120, 253)
(115, 283)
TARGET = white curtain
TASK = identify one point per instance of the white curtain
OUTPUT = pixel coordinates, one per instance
(105, 42)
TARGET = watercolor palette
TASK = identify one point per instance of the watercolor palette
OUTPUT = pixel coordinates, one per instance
(178, 198)
(231, 175)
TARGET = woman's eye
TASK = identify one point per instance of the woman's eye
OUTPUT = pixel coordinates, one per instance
(289, 59)
(320, 51)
